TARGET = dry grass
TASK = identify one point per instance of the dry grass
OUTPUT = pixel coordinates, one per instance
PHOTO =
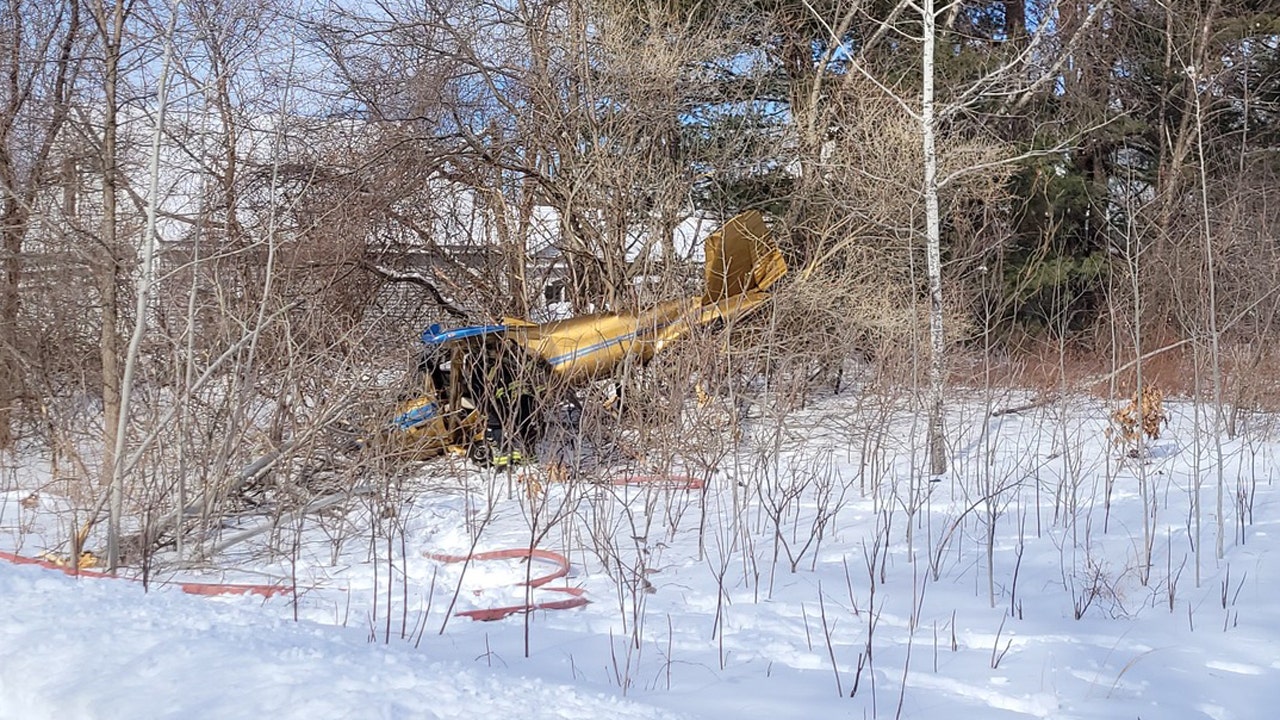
(1143, 417)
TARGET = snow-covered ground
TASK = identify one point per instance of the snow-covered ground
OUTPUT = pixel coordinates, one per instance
(1028, 582)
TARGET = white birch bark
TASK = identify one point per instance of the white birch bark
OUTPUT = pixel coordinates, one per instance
(933, 251)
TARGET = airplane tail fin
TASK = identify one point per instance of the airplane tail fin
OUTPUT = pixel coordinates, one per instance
(742, 260)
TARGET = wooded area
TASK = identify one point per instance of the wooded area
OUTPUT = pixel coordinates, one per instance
(226, 221)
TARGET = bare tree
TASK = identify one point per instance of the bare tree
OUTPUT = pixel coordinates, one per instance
(41, 67)
(109, 20)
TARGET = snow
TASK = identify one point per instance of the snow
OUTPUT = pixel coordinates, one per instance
(104, 649)
(1069, 619)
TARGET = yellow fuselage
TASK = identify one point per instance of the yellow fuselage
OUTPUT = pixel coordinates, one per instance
(590, 346)
(742, 262)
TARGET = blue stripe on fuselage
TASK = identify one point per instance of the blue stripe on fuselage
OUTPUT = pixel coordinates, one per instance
(597, 347)
(603, 344)
(439, 338)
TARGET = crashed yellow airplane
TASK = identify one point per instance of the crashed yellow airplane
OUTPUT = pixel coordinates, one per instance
(483, 387)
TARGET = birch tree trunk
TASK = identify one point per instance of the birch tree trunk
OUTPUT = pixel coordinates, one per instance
(933, 250)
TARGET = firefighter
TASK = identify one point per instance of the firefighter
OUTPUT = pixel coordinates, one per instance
(507, 385)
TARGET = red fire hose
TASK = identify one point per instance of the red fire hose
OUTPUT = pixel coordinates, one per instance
(561, 569)
(673, 482)
(191, 588)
